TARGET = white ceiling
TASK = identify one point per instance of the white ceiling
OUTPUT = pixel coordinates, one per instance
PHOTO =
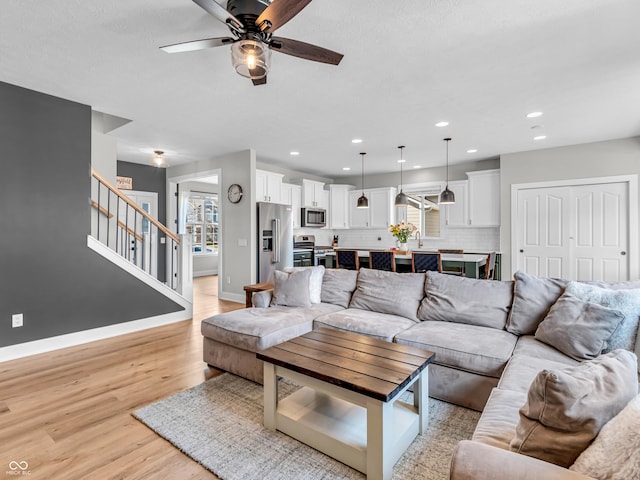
(481, 65)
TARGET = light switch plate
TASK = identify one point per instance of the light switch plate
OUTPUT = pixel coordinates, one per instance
(17, 320)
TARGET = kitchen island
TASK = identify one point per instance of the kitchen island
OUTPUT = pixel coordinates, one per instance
(470, 261)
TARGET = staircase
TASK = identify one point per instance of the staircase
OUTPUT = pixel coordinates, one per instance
(137, 242)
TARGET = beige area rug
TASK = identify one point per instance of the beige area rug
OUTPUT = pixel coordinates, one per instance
(219, 425)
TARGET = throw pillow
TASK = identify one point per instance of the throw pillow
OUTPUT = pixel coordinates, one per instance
(532, 299)
(579, 329)
(613, 455)
(315, 282)
(625, 301)
(292, 289)
(566, 408)
(449, 298)
(338, 286)
(389, 292)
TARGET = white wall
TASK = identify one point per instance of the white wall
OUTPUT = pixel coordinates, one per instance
(600, 159)
(237, 264)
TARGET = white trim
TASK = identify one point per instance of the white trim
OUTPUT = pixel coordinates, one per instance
(232, 297)
(141, 275)
(630, 180)
(44, 345)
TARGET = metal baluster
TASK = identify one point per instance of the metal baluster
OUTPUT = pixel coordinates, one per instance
(98, 215)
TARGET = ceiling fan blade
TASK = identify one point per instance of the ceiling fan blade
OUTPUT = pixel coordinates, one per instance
(259, 81)
(197, 44)
(305, 50)
(218, 11)
(279, 13)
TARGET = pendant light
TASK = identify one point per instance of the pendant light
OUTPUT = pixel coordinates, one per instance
(159, 160)
(447, 197)
(401, 198)
(363, 201)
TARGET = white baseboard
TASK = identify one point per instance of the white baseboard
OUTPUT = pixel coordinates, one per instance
(35, 347)
(232, 297)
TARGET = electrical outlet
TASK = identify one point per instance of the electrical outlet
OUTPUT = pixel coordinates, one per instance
(17, 320)
(229, 279)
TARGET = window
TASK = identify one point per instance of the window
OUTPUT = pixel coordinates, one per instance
(202, 223)
(424, 212)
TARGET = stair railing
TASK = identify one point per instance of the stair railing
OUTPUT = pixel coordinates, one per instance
(122, 225)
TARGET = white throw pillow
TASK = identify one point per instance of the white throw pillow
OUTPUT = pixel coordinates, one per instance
(615, 453)
(315, 282)
(291, 289)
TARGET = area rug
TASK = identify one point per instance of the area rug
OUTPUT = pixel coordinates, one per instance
(219, 425)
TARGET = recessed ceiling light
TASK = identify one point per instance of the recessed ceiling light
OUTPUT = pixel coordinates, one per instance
(402, 160)
(417, 166)
(534, 114)
(356, 140)
(346, 168)
(294, 153)
(472, 150)
(442, 124)
(540, 137)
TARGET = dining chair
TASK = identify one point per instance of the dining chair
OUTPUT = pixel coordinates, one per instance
(347, 259)
(451, 270)
(382, 260)
(490, 266)
(425, 262)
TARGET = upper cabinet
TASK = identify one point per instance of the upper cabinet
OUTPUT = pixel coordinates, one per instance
(313, 194)
(292, 195)
(268, 186)
(484, 198)
(339, 206)
(457, 214)
(381, 211)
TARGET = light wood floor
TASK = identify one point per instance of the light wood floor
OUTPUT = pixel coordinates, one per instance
(68, 413)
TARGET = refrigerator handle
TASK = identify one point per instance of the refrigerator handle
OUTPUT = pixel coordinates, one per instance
(276, 240)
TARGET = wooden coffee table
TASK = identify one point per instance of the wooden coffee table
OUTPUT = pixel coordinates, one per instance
(349, 405)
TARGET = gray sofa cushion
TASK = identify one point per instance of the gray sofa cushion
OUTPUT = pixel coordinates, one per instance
(579, 329)
(532, 299)
(450, 298)
(338, 285)
(528, 345)
(292, 289)
(389, 292)
(255, 329)
(373, 324)
(497, 424)
(522, 369)
(566, 408)
(481, 350)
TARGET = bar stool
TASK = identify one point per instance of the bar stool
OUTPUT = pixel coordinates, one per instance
(451, 270)
(382, 260)
(347, 259)
(490, 266)
(425, 262)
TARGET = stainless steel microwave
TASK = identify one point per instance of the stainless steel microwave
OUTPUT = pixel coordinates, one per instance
(314, 217)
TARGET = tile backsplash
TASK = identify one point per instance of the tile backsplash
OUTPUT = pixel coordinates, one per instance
(468, 238)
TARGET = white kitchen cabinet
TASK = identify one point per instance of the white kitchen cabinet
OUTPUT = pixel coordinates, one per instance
(292, 195)
(268, 186)
(457, 214)
(381, 211)
(339, 206)
(484, 198)
(313, 194)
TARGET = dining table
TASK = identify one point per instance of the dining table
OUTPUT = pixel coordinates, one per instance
(471, 262)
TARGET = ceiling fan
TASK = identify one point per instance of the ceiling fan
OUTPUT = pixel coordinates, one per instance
(252, 23)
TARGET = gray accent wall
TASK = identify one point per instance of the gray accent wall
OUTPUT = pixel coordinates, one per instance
(48, 272)
(587, 160)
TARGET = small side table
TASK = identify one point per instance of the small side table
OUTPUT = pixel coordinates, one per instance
(256, 287)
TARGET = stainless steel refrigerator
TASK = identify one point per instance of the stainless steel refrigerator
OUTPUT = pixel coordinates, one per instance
(275, 239)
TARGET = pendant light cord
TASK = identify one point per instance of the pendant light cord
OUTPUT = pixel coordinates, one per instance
(447, 140)
(362, 170)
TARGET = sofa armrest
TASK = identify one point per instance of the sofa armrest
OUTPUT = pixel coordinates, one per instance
(478, 461)
(262, 299)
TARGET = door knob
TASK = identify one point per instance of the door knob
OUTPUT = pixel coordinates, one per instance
(521, 251)
(623, 253)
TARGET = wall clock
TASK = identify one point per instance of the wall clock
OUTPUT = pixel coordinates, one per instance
(235, 193)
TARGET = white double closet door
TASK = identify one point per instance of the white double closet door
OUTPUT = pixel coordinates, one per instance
(576, 232)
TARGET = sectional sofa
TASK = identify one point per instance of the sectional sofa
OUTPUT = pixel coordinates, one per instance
(492, 339)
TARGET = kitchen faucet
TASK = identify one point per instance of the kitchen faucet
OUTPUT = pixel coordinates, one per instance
(419, 238)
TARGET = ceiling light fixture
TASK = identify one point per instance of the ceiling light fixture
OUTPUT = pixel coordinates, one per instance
(442, 124)
(346, 168)
(447, 197)
(159, 160)
(363, 201)
(540, 137)
(401, 198)
(295, 154)
(251, 58)
(356, 140)
(534, 114)
(472, 150)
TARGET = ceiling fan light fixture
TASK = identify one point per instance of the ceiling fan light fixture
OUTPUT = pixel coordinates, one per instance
(251, 58)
